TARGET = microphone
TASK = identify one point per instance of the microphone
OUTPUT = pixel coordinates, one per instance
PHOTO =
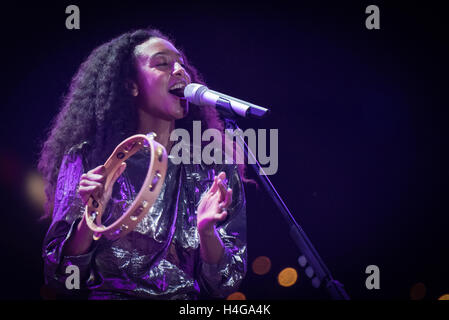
(203, 96)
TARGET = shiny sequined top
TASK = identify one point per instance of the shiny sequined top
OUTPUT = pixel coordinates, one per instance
(160, 259)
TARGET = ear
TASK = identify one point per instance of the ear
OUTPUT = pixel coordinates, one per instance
(132, 87)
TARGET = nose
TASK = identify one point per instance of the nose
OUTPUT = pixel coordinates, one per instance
(179, 71)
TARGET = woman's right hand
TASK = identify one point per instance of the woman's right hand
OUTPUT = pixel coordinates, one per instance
(92, 183)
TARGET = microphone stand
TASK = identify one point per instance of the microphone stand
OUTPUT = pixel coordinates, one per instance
(315, 268)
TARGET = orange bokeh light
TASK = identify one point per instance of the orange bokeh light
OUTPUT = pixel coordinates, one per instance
(236, 296)
(444, 297)
(418, 291)
(261, 265)
(35, 190)
(287, 277)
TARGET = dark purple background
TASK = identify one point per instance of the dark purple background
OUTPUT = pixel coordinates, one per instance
(361, 116)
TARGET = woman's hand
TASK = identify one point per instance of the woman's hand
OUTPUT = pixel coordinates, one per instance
(92, 183)
(213, 205)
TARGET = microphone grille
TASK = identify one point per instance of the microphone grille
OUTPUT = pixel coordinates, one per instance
(193, 92)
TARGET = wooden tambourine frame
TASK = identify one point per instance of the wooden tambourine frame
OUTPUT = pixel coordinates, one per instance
(145, 198)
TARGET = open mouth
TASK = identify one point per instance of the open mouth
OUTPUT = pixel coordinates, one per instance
(179, 92)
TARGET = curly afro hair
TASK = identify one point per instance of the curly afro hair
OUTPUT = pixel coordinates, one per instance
(98, 108)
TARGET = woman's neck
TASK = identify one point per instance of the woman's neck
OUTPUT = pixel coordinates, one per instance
(162, 128)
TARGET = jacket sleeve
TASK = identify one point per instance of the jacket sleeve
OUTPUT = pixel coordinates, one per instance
(219, 280)
(68, 211)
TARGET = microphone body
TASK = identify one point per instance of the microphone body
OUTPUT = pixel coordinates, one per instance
(203, 96)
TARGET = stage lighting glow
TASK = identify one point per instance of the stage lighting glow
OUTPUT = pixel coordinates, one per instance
(287, 277)
(444, 297)
(236, 296)
(261, 265)
(35, 190)
(418, 291)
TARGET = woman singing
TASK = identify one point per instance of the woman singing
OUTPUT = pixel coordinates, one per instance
(192, 243)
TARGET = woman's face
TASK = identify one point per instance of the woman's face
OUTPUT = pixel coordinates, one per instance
(160, 70)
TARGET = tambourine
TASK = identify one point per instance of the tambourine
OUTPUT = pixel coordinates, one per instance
(145, 198)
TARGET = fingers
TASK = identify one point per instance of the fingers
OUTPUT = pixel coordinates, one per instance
(92, 183)
(88, 188)
(85, 182)
(108, 191)
(214, 186)
(222, 207)
(223, 189)
(222, 175)
(221, 216)
(228, 199)
(96, 174)
(99, 170)
(219, 184)
(86, 191)
(218, 199)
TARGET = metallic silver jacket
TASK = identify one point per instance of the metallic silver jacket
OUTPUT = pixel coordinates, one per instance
(160, 259)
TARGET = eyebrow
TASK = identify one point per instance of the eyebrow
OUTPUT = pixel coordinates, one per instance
(167, 52)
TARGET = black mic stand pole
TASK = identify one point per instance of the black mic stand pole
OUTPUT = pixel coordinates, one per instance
(310, 259)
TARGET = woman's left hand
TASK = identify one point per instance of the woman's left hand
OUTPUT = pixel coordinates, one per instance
(213, 206)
